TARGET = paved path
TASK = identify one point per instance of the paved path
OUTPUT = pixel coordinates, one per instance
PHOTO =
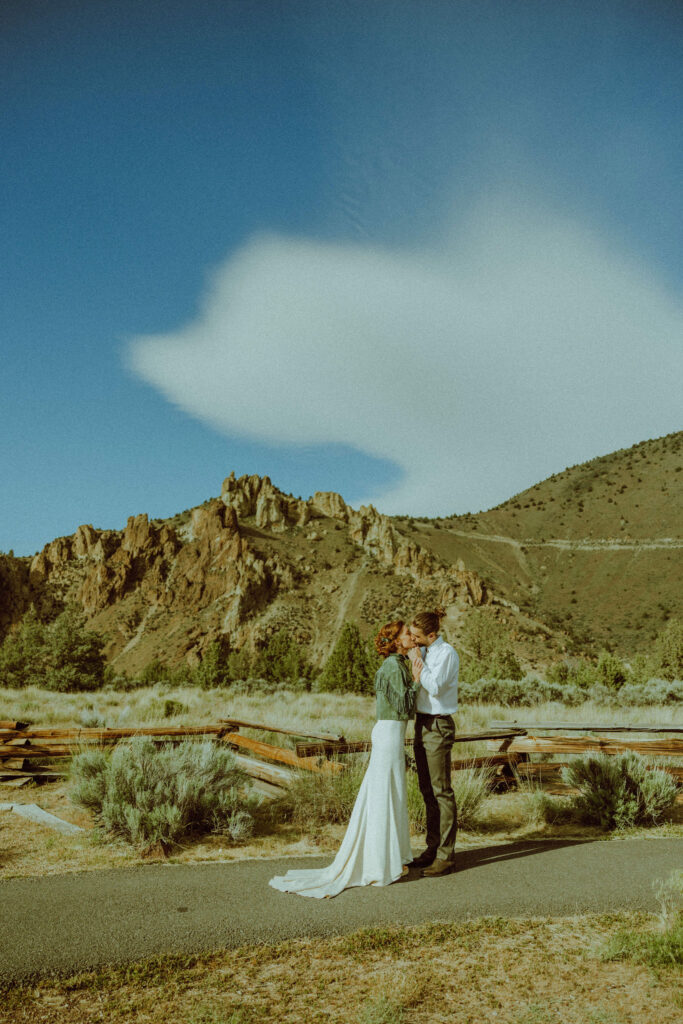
(66, 923)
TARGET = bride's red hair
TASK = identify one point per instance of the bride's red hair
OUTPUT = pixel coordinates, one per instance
(385, 641)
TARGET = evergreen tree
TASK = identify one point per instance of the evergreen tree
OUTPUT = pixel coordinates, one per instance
(23, 654)
(74, 658)
(282, 660)
(668, 652)
(348, 668)
(213, 670)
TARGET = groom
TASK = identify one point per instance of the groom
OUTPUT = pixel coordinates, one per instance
(435, 666)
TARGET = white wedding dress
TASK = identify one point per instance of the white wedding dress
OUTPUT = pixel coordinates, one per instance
(377, 840)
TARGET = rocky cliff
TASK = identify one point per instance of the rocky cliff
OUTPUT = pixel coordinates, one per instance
(241, 566)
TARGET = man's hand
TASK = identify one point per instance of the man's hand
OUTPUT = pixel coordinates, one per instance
(416, 662)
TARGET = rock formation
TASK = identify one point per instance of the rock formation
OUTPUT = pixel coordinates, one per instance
(239, 566)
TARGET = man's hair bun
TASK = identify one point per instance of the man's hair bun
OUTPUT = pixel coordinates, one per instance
(429, 622)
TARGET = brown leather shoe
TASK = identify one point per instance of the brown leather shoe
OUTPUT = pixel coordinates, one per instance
(439, 867)
(424, 860)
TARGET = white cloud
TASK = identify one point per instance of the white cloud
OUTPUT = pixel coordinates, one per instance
(521, 343)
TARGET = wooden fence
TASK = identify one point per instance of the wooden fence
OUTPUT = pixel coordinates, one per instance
(29, 754)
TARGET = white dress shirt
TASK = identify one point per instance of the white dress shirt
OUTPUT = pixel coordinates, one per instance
(438, 693)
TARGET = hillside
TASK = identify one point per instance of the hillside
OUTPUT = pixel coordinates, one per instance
(595, 549)
(589, 557)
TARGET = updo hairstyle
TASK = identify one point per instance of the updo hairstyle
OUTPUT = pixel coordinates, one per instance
(386, 639)
(429, 622)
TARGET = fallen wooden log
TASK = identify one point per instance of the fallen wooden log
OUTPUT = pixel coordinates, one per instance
(326, 749)
(580, 744)
(533, 727)
(289, 757)
(55, 750)
(109, 735)
(17, 763)
(39, 774)
(271, 773)
(323, 737)
(12, 725)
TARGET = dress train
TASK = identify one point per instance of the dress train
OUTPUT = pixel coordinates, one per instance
(376, 844)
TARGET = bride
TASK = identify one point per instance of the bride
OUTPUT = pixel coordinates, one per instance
(376, 845)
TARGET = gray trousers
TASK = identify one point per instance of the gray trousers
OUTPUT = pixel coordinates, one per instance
(434, 736)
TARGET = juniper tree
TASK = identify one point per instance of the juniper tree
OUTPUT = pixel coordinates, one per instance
(348, 668)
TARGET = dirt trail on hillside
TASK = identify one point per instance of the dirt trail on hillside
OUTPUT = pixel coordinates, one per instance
(593, 544)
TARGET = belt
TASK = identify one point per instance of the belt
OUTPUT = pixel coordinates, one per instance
(428, 714)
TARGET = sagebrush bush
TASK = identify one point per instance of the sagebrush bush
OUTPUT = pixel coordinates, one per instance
(151, 795)
(527, 692)
(619, 790)
(320, 799)
(531, 691)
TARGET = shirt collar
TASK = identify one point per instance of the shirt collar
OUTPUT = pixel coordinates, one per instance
(437, 643)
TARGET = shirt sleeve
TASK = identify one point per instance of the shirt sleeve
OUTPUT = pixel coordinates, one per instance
(437, 678)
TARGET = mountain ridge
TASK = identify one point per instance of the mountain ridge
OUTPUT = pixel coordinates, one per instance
(255, 559)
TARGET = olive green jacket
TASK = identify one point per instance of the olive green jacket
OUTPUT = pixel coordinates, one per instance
(396, 692)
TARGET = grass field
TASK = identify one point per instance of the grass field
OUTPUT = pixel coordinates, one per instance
(542, 971)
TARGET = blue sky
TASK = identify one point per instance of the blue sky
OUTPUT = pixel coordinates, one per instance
(424, 254)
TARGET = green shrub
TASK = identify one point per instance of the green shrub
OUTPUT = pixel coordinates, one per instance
(154, 672)
(583, 675)
(23, 653)
(558, 673)
(382, 1010)
(619, 790)
(488, 650)
(610, 671)
(152, 795)
(667, 659)
(654, 691)
(660, 948)
(504, 665)
(348, 668)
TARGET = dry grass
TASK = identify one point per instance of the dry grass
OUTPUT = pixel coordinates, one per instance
(31, 849)
(348, 714)
(542, 971)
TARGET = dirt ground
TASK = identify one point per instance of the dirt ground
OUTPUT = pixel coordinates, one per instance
(543, 971)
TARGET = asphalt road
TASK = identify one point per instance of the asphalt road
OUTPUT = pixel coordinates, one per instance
(65, 923)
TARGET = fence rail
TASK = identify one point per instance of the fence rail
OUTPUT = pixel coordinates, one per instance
(29, 754)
